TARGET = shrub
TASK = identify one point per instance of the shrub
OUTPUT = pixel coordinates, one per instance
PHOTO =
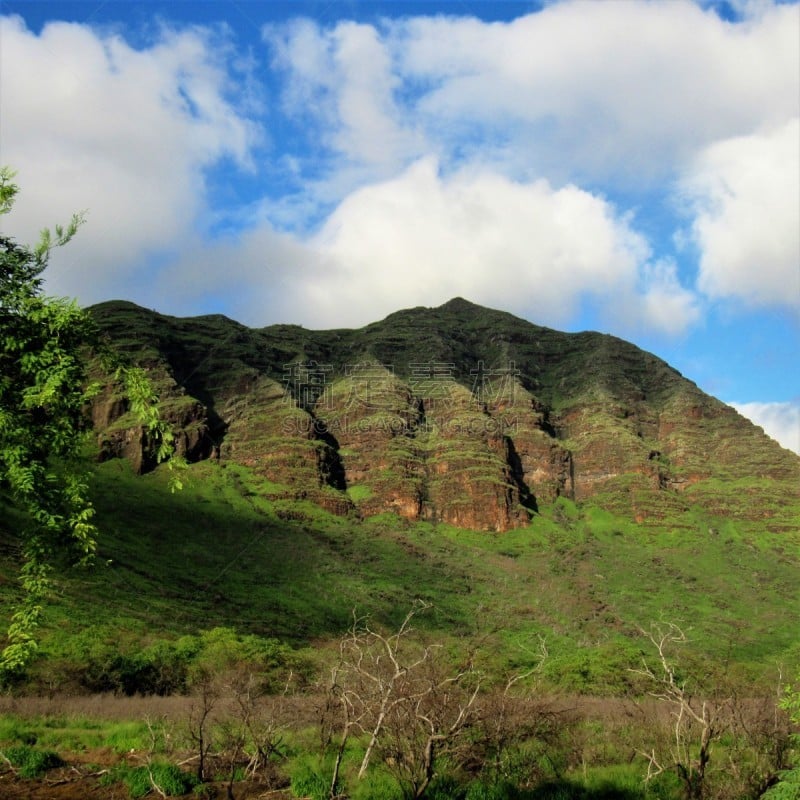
(137, 782)
(789, 786)
(787, 789)
(444, 787)
(170, 779)
(31, 763)
(14, 730)
(562, 790)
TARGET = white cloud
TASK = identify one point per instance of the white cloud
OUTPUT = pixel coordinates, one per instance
(91, 123)
(578, 89)
(447, 156)
(343, 78)
(258, 277)
(781, 421)
(579, 93)
(746, 195)
(662, 304)
(422, 238)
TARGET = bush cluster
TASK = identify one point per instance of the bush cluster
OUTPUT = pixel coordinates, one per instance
(169, 779)
(100, 664)
(30, 762)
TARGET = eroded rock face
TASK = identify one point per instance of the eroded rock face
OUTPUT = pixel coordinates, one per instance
(120, 435)
(458, 415)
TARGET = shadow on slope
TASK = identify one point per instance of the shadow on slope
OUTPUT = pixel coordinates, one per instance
(222, 552)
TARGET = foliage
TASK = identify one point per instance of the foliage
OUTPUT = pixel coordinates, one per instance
(98, 661)
(31, 762)
(376, 783)
(698, 722)
(42, 400)
(791, 704)
(44, 393)
(223, 648)
(502, 790)
(415, 709)
(788, 788)
(573, 790)
(443, 787)
(159, 777)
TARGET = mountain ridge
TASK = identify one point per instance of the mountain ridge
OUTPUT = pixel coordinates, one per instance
(457, 413)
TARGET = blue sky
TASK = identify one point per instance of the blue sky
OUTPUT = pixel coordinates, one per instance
(618, 165)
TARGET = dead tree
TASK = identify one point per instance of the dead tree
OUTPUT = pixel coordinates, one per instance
(383, 672)
(696, 723)
(200, 718)
(441, 708)
(346, 710)
(509, 716)
(263, 723)
(391, 688)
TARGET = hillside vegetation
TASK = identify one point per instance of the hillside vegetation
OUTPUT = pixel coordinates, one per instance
(458, 414)
(546, 501)
(224, 553)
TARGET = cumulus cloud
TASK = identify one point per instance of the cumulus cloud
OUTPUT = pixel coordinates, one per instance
(423, 237)
(342, 79)
(566, 96)
(781, 421)
(258, 277)
(427, 157)
(91, 123)
(576, 90)
(746, 196)
(662, 304)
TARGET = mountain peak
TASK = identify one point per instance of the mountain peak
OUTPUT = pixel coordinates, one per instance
(459, 304)
(458, 413)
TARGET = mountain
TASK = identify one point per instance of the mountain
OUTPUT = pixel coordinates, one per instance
(339, 472)
(457, 414)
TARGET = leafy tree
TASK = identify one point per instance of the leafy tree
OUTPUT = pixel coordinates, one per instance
(788, 788)
(44, 393)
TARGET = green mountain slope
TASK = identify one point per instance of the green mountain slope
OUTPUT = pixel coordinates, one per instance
(527, 483)
(225, 553)
(458, 414)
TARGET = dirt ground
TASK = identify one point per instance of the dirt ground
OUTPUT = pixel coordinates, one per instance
(69, 783)
(80, 778)
(77, 780)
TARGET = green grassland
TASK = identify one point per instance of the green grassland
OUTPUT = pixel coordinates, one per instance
(245, 566)
(225, 553)
(227, 572)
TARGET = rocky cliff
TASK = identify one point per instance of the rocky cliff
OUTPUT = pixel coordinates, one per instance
(458, 414)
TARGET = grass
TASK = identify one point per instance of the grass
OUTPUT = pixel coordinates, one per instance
(30, 762)
(243, 567)
(76, 731)
(582, 578)
(248, 548)
(169, 780)
(591, 758)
